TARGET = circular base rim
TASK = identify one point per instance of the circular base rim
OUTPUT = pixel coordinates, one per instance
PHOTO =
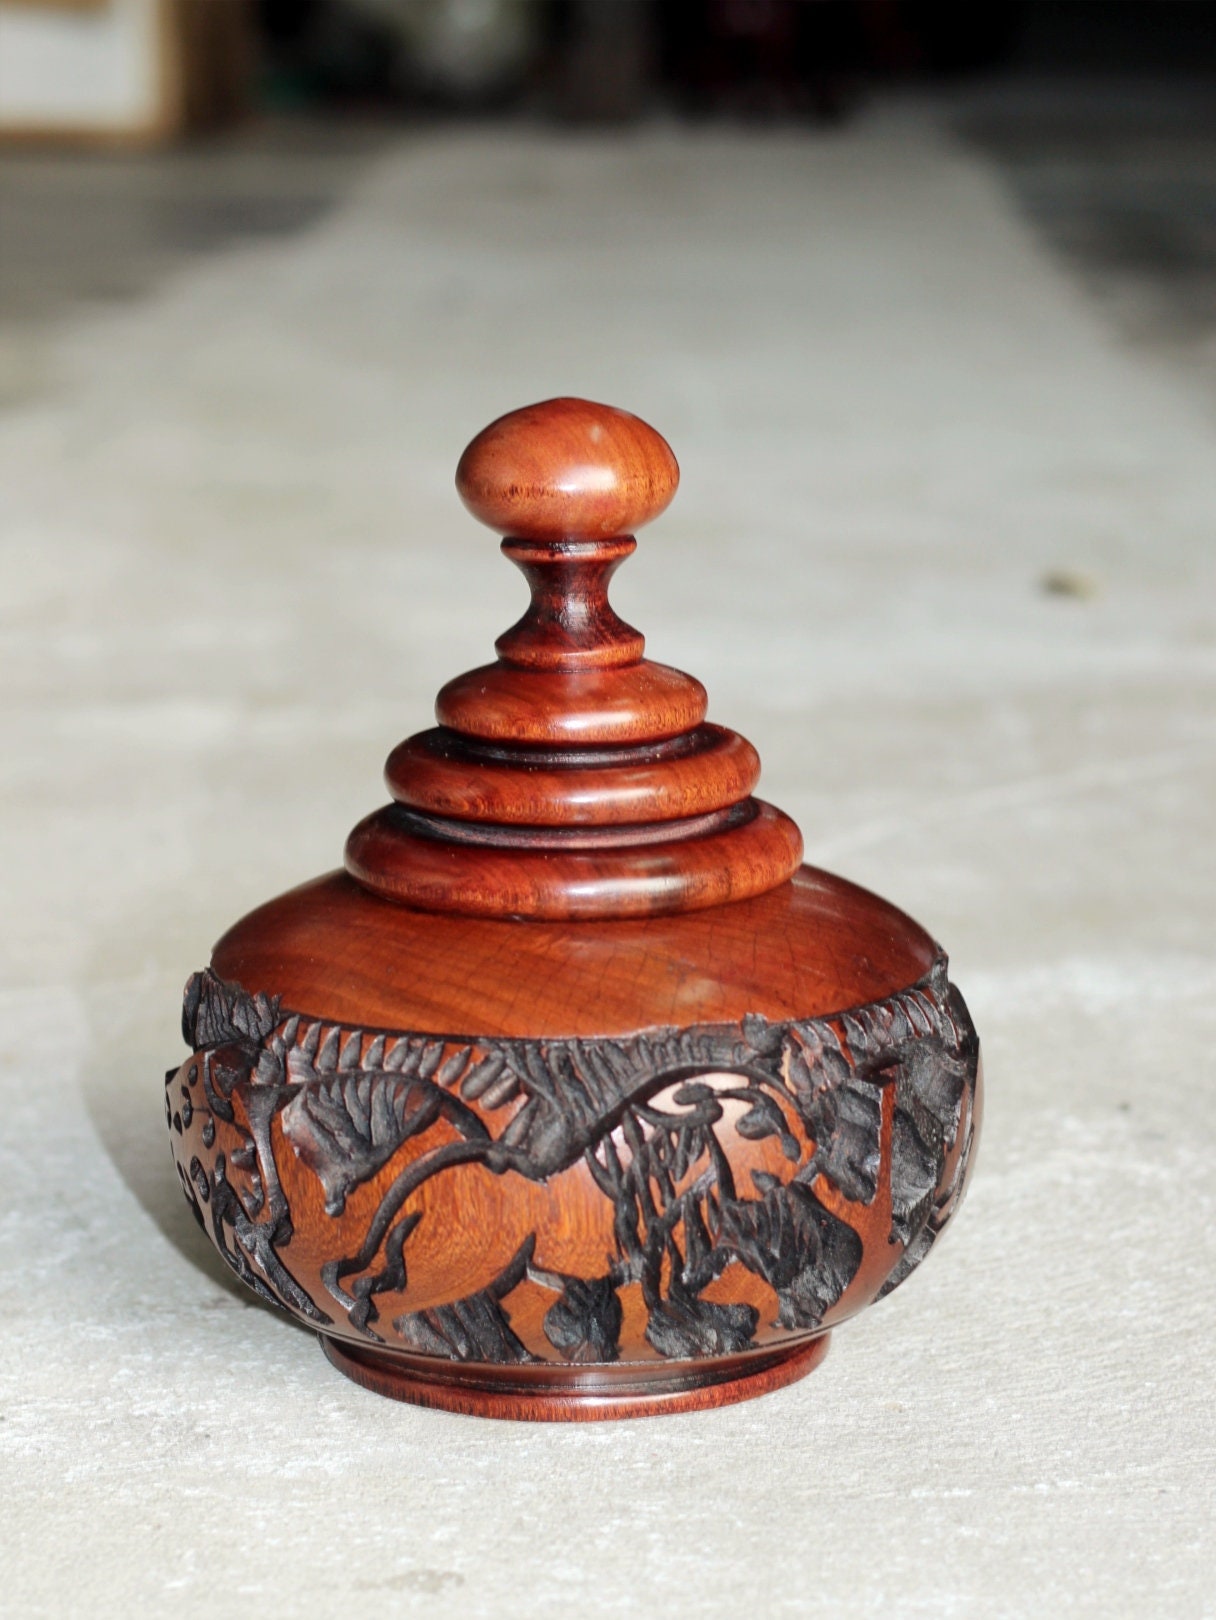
(576, 1394)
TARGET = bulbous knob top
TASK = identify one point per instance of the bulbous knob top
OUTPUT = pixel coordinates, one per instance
(572, 778)
(567, 469)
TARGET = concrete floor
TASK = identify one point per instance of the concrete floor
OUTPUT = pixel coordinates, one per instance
(943, 551)
(1118, 179)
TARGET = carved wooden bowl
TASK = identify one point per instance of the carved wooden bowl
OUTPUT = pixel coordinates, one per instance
(575, 1095)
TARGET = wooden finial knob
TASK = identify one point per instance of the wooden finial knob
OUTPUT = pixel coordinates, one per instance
(567, 469)
(572, 778)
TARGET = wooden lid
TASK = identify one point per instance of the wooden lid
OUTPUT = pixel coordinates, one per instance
(573, 778)
(808, 949)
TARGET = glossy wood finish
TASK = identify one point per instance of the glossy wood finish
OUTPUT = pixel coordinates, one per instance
(567, 469)
(811, 947)
(574, 1095)
(570, 624)
(422, 865)
(446, 1196)
(594, 769)
(440, 773)
(541, 1395)
(644, 702)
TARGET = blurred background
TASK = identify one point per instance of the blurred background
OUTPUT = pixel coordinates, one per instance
(924, 298)
(135, 134)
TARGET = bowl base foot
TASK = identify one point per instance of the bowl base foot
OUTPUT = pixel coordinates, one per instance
(576, 1393)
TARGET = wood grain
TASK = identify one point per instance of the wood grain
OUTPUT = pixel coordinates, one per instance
(567, 469)
(440, 772)
(630, 1390)
(644, 702)
(574, 1095)
(811, 947)
(572, 779)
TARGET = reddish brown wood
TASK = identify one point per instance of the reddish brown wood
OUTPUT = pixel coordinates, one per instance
(567, 469)
(636, 806)
(574, 1095)
(442, 774)
(570, 624)
(804, 950)
(635, 877)
(537, 1394)
(287, 1178)
(644, 702)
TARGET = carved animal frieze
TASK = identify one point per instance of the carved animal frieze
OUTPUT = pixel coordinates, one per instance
(743, 1177)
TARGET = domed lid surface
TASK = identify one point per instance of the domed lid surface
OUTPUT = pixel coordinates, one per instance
(574, 849)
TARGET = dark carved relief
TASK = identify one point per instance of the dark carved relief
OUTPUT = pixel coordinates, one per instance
(640, 1114)
(472, 1329)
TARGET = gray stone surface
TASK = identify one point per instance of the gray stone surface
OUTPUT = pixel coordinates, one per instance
(943, 551)
(1120, 177)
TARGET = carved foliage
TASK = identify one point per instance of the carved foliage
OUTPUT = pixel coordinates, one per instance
(472, 1329)
(365, 1101)
(641, 1113)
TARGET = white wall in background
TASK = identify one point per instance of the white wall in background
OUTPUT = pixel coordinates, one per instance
(93, 68)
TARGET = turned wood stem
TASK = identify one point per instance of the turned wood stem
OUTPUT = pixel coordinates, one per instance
(572, 778)
(570, 624)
